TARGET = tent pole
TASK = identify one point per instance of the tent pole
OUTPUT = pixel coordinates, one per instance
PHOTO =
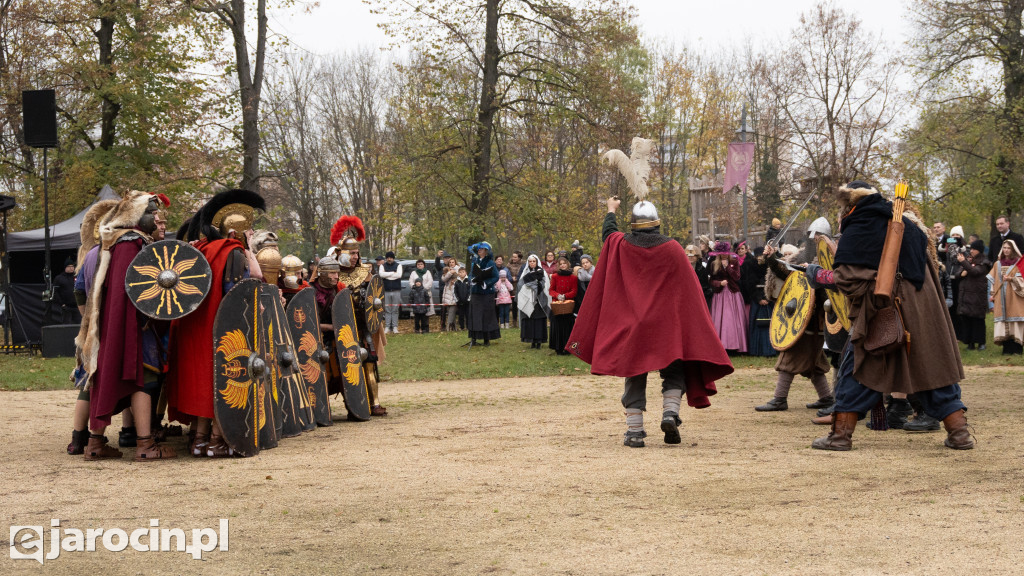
(47, 278)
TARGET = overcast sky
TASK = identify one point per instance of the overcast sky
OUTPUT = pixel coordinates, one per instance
(344, 25)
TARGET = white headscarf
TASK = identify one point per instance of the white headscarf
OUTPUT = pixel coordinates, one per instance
(528, 294)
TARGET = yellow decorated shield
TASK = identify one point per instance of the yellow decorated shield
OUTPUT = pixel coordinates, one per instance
(793, 312)
(840, 306)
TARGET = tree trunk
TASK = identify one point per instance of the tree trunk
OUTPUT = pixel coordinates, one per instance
(250, 82)
(481, 192)
(110, 109)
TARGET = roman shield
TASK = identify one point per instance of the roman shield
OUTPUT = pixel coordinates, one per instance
(793, 312)
(350, 355)
(290, 399)
(242, 395)
(311, 357)
(840, 306)
(374, 304)
(168, 279)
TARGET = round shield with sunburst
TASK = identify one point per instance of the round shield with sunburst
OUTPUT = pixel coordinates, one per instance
(168, 280)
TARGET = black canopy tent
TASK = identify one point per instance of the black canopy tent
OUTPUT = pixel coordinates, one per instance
(26, 254)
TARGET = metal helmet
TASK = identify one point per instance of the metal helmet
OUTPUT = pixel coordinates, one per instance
(644, 216)
(325, 267)
(346, 235)
(819, 226)
(264, 244)
(292, 267)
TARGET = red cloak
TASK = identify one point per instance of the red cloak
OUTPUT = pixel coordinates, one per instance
(645, 310)
(190, 375)
(119, 372)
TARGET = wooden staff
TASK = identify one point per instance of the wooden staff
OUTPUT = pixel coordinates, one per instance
(890, 260)
(1011, 274)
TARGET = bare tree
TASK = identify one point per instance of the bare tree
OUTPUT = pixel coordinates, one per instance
(354, 105)
(295, 153)
(835, 88)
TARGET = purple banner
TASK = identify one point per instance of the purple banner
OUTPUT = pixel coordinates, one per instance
(737, 167)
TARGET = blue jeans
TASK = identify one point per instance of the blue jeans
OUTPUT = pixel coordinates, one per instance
(503, 310)
(852, 396)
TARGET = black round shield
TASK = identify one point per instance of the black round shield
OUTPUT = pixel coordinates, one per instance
(242, 397)
(350, 353)
(310, 355)
(168, 280)
(374, 304)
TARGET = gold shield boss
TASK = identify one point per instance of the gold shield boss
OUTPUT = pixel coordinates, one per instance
(793, 312)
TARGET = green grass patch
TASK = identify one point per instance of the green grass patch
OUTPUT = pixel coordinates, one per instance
(440, 356)
(21, 372)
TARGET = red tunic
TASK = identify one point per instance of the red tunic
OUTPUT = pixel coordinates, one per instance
(119, 371)
(190, 379)
(645, 310)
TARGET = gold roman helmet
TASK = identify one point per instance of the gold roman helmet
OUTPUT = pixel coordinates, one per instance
(292, 269)
(227, 212)
(264, 244)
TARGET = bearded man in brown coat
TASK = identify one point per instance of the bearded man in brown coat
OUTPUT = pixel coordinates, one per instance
(929, 369)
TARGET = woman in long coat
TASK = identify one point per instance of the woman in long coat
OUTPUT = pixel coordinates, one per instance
(1009, 305)
(564, 286)
(974, 294)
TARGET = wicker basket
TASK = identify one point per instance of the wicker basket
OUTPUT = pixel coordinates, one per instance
(563, 307)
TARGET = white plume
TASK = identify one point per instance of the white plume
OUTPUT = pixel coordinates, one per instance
(636, 167)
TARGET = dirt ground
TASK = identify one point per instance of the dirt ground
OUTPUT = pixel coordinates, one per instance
(528, 476)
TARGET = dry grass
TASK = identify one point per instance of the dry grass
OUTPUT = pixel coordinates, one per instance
(528, 476)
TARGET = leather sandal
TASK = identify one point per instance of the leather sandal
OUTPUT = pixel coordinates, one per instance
(98, 449)
(218, 447)
(378, 410)
(197, 447)
(149, 450)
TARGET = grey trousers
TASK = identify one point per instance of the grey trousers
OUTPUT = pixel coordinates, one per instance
(392, 300)
(635, 396)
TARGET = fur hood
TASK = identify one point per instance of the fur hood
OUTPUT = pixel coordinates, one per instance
(852, 193)
(90, 227)
(123, 217)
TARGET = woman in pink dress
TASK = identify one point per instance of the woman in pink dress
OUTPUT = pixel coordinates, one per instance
(727, 308)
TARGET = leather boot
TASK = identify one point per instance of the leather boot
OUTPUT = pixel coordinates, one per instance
(773, 405)
(822, 403)
(79, 440)
(922, 423)
(670, 426)
(149, 450)
(826, 411)
(897, 412)
(822, 420)
(127, 437)
(98, 449)
(958, 437)
(840, 438)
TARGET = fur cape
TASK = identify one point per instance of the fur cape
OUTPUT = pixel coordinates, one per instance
(90, 232)
(118, 221)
